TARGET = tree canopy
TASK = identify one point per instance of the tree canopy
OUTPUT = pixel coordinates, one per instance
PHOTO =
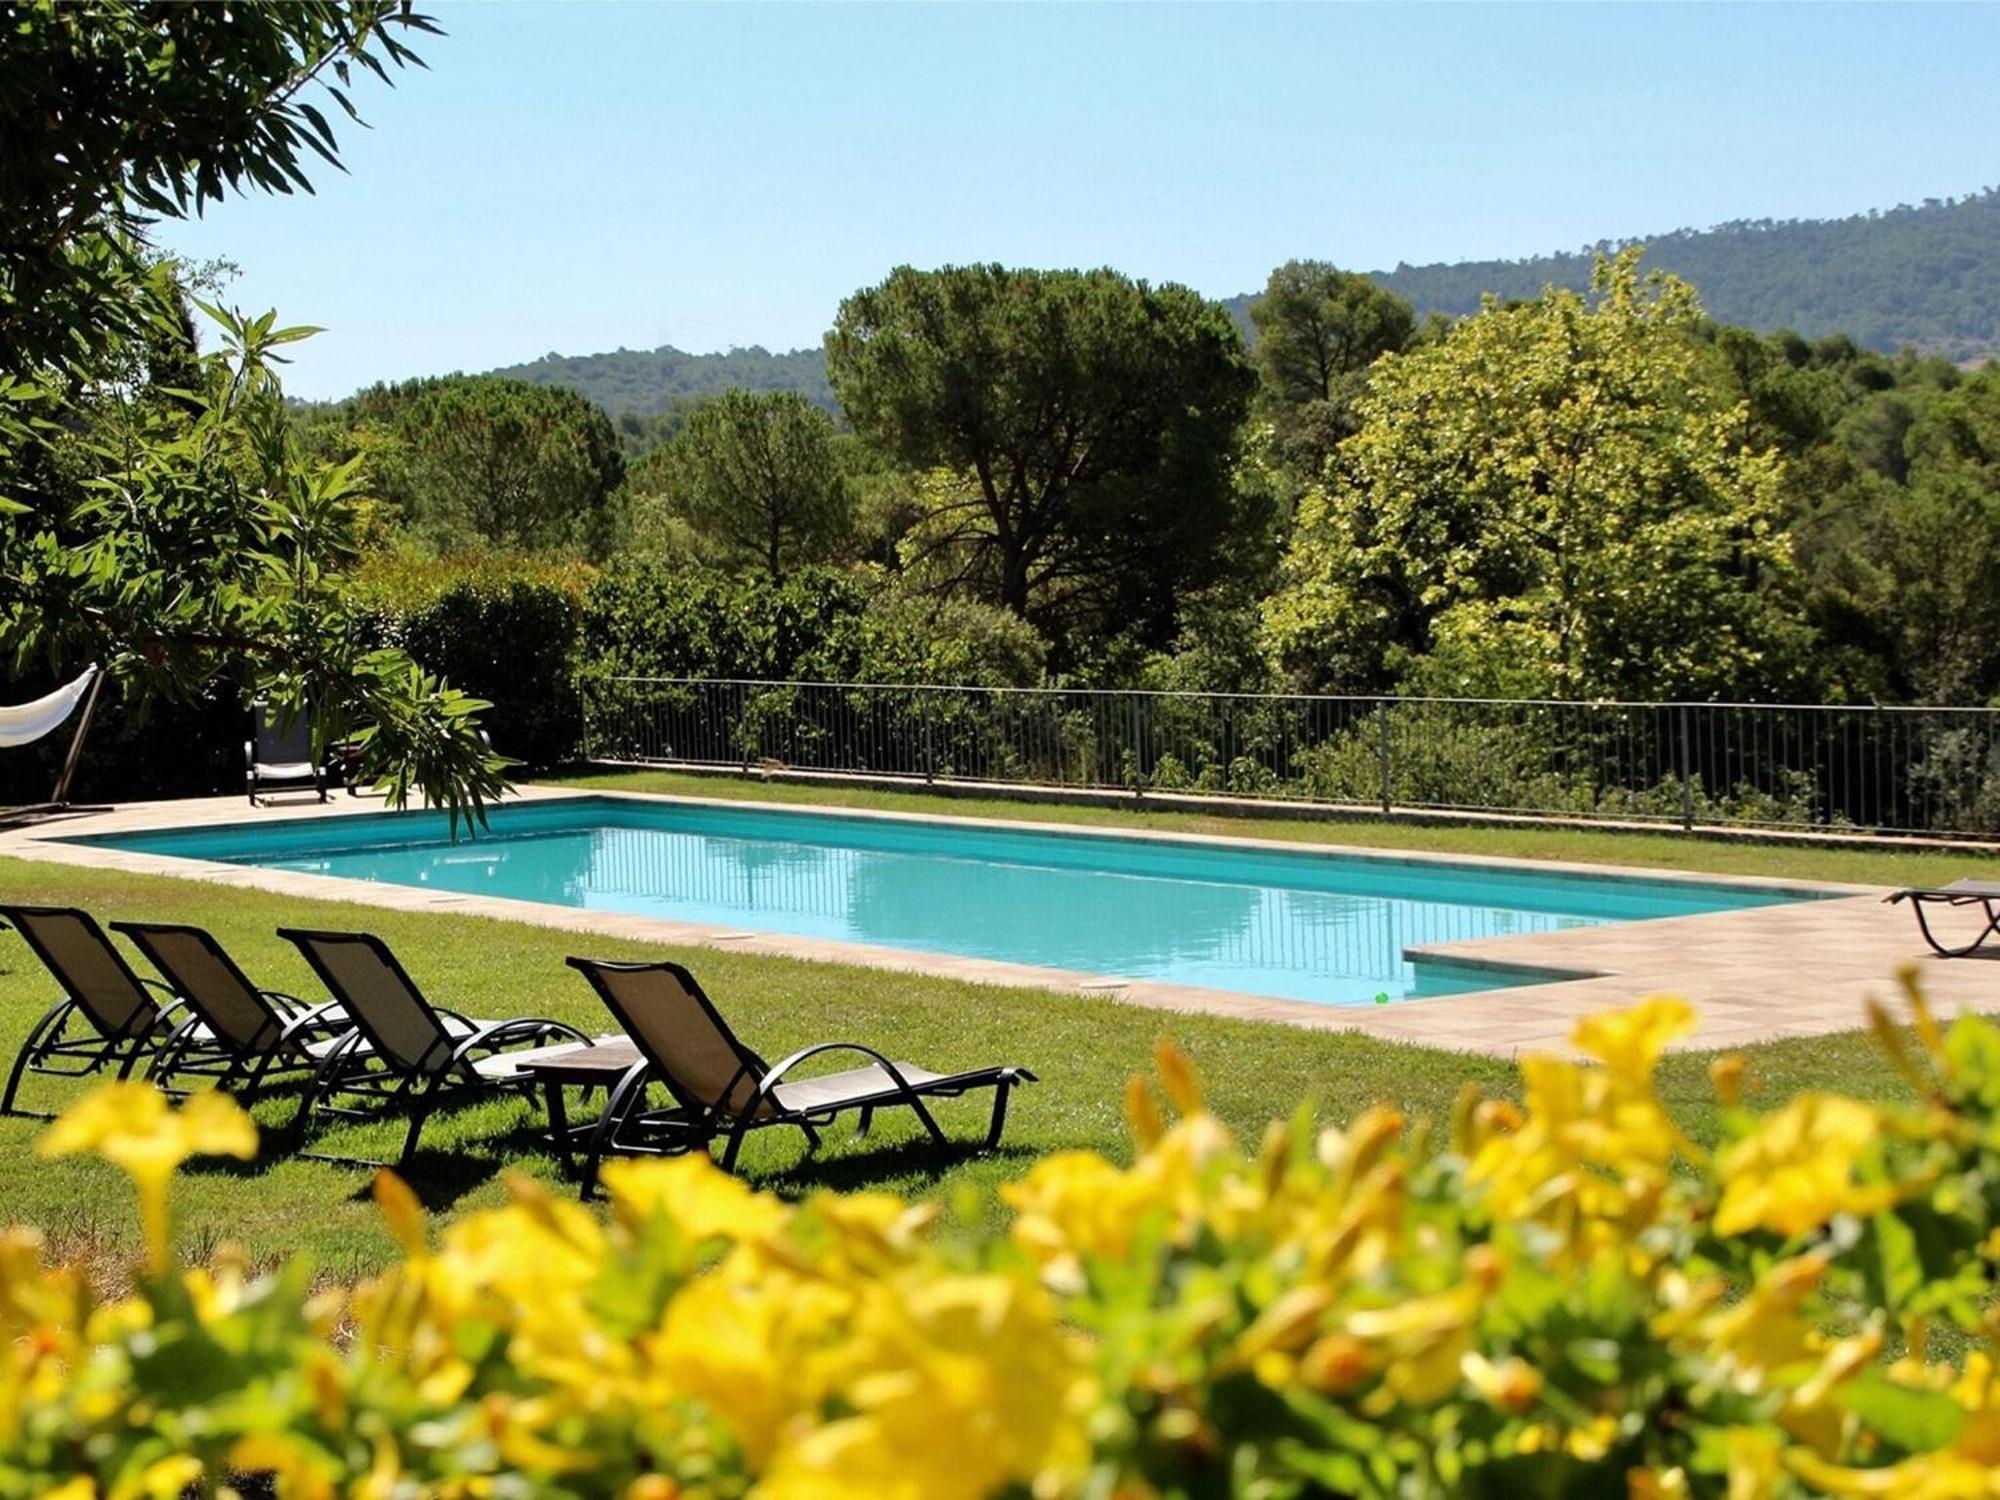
(183, 536)
(1082, 424)
(757, 477)
(1318, 331)
(481, 460)
(1550, 501)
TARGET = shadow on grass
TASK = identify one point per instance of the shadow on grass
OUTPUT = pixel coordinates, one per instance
(440, 1175)
(864, 1166)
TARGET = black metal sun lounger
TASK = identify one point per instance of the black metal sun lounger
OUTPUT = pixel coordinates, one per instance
(238, 1033)
(108, 1016)
(723, 1090)
(402, 1047)
(1985, 894)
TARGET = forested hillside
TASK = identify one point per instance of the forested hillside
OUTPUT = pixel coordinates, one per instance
(1927, 277)
(646, 382)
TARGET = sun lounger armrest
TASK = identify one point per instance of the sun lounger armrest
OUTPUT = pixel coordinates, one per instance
(504, 1031)
(314, 1018)
(767, 1085)
(294, 1005)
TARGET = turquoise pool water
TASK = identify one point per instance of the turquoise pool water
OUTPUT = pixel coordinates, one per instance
(1296, 924)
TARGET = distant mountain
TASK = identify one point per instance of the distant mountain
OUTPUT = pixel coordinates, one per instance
(645, 382)
(1927, 276)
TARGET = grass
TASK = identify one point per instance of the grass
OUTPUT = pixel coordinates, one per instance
(1083, 1048)
(1794, 859)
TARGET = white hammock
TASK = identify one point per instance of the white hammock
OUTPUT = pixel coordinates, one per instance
(29, 722)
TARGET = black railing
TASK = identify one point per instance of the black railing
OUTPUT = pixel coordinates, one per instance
(1801, 766)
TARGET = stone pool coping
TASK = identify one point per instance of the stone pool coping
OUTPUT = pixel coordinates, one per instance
(1758, 974)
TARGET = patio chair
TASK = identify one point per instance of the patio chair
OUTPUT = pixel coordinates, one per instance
(108, 1015)
(402, 1047)
(721, 1088)
(279, 752)
(1984, 894)
(237, 1032)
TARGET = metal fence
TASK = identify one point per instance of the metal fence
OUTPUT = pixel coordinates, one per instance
(1800, 766)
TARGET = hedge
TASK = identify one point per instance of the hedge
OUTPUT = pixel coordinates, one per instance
(1564, 1298)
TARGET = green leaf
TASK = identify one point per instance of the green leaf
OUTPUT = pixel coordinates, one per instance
(1915, 1421)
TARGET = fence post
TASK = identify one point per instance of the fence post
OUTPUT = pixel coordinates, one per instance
(743, 724)
(1388, 784)
(1687, 771)
(930, 753)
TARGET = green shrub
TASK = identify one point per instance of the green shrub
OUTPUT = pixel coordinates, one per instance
(502, 627)
(641, 619)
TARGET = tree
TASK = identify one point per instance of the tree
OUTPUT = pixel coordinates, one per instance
(757, 477)
(1552, 500)
(1084, 423)
(189, 539)
(480, 459)
(117, 111)
(1906, 577)
(1318, 330)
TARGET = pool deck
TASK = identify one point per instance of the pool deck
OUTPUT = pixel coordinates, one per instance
(1792, 970)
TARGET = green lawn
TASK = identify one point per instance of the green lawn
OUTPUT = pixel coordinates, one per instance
(1084, 1049)
(1667, 851)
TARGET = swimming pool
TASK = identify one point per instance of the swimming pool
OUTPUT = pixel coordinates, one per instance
(1329, 928)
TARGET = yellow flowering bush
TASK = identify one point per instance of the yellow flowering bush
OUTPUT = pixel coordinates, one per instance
(1561, 1297)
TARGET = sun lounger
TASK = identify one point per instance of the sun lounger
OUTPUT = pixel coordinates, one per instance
(279, 753)
(237, 1032)
(108, 1015)
(402, 1047)
(722, 1089)
(1984, 894)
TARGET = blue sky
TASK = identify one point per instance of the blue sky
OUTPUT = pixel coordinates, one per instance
(582, 176)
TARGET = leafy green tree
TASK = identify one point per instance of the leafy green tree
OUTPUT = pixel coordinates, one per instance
(184, 540)
(117, 113)
(1960, 431)
(472, 460)
(1318, 330)
(1085, 422)
(757, 477)
(1552, 500)
(1906, 575)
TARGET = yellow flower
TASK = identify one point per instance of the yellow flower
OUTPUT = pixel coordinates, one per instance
(961, 1387)
(1512, 1384)
(849, 1234)
(1073, 1204)
(1764, 1333)
(1596, 1147)
(166, 1478)
(1420, 1344)
(132, 1125)
(701, 1199)
(1629, 1042)
(401, 1212)
(1178, 1078)
(1142, 1115)
(294, 1470)
(1726, 1074)
(1755, 1468)
(1796, 1169)
(743, 1340)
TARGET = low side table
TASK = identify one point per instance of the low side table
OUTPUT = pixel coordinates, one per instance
(573, 1066)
